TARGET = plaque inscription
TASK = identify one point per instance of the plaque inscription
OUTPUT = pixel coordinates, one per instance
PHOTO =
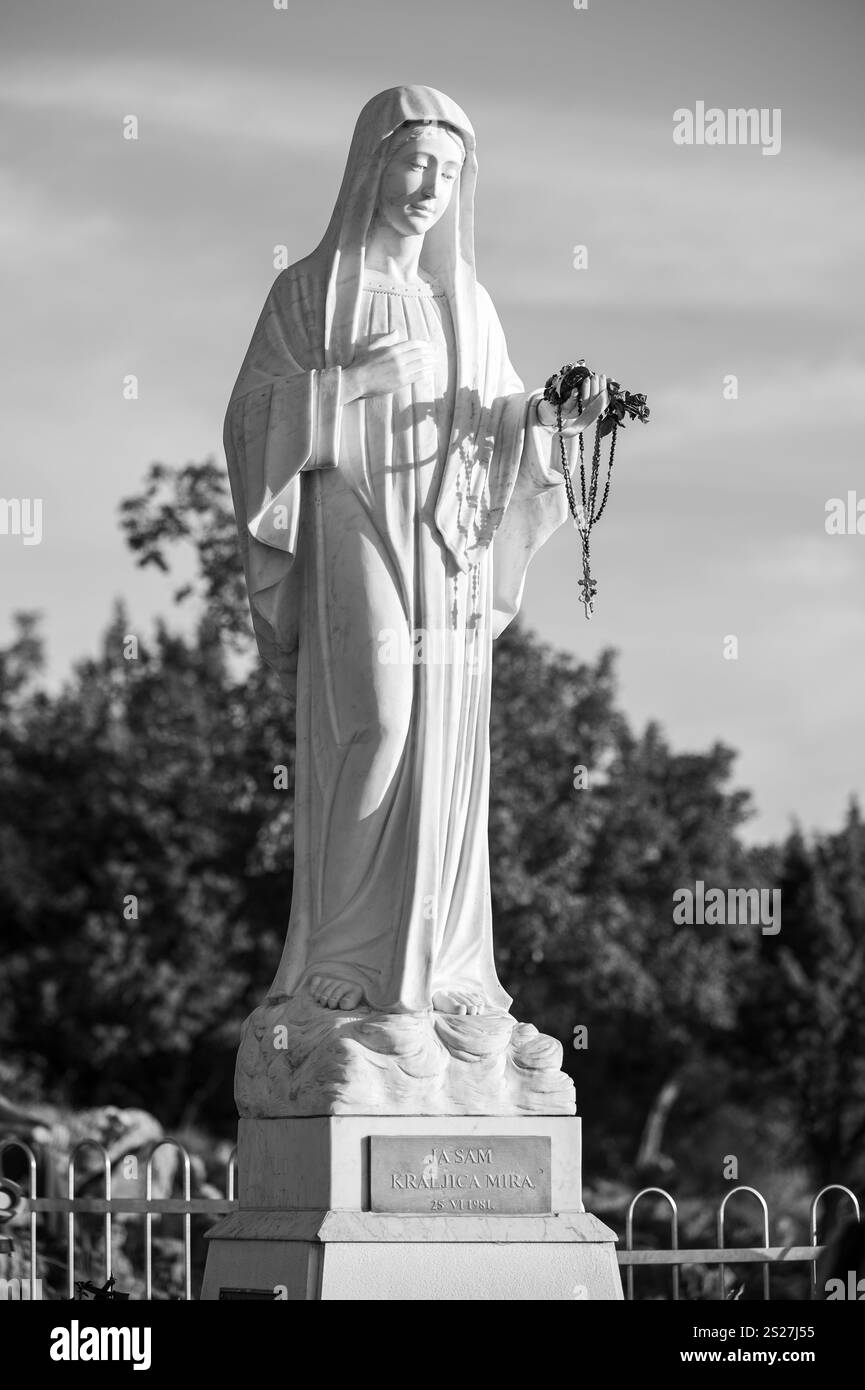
(448, 1175)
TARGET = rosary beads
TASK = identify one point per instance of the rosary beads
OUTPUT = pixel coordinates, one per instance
(558, 390)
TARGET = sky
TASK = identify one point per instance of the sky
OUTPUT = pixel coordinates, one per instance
(152, 257)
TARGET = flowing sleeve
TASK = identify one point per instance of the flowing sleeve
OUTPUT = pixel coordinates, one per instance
(283, 420)
(529, 481)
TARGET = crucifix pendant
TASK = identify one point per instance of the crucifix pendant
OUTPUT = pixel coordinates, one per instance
(587, 586)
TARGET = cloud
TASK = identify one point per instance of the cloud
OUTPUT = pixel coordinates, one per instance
(216, 101)
(671, 226)
(779, 402)
(32, 231)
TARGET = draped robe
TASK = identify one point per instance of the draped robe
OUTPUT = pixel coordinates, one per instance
(385, 544)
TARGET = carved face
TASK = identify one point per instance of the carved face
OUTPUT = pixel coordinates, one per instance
(418, 182)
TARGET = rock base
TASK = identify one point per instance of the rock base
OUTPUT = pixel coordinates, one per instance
(297, 1058)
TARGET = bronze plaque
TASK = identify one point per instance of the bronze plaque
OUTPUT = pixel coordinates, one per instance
(447, 1175)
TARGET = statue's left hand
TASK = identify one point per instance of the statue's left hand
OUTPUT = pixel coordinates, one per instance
(582, 408)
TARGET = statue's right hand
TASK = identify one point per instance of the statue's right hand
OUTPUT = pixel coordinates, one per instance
(386, 367)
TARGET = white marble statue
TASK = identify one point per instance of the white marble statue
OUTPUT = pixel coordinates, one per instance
(392, 480)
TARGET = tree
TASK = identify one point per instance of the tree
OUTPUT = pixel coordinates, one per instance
(806, 1005)
(145, 871)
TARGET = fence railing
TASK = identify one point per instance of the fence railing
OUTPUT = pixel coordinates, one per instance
(722, 1255)
(188, 1206)
(149, 1206)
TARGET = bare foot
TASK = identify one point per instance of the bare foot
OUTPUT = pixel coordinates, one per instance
(335, 994)
(461, 1000)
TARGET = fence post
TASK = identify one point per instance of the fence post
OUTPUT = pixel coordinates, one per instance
(832, 1187)
(629, 1237)
(762, 1200)
(31, 1166)
(70, 1228)
(187, 1218)
(231, 1174)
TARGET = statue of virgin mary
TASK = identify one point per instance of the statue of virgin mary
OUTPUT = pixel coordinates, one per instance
(392, 479)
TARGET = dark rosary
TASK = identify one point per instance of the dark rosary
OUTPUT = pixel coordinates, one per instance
(587, 513)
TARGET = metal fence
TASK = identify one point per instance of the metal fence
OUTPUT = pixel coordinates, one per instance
(148, 1206)
(722, 1255)
(188, 1206)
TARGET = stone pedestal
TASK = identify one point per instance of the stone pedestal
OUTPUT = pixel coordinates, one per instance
(411, 1207)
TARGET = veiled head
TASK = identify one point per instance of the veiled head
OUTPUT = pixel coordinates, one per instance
(418, 180)
(384, 132)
